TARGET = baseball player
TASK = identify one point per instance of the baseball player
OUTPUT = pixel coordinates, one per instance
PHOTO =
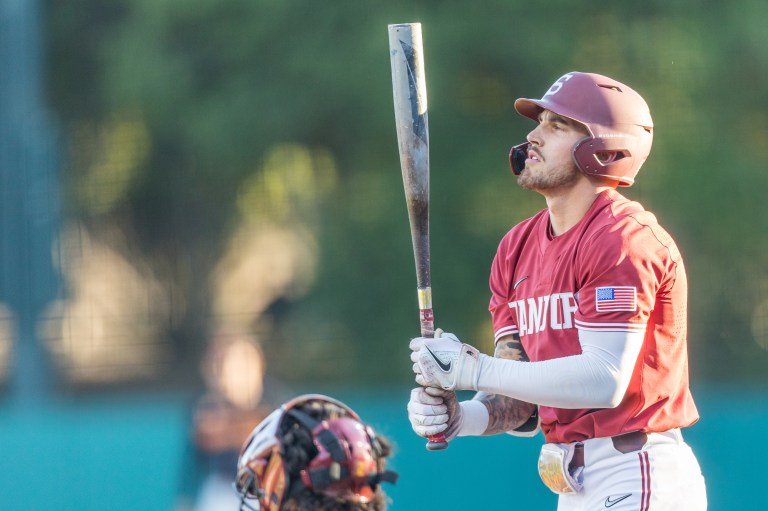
(588, 301)
(313, 454)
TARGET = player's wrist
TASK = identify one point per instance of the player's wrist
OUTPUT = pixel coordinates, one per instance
(474, 418)
(472, 369)
(471, 366)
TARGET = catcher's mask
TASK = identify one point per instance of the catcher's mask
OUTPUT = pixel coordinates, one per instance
(617, 119)
(347, 461)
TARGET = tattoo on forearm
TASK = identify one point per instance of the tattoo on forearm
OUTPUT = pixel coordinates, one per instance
(506, 413)
(511, 348)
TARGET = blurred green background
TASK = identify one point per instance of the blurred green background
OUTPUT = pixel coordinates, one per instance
(195, 192)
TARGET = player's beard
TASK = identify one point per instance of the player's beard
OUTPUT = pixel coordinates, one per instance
(560, 176)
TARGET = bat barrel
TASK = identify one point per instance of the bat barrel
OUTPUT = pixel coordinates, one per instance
(409, 91)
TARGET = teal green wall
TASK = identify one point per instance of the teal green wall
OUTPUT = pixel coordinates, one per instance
(126, 453)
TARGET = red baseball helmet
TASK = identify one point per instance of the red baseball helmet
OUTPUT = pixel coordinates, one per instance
(617, 119)
(347, 461)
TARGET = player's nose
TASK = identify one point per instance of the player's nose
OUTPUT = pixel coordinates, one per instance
(534, 137)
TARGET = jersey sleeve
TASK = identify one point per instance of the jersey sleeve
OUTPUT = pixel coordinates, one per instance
(621, 271)
(501, 314)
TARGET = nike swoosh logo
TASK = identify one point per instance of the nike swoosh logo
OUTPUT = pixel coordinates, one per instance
(514, 286)
(445, 367)
(610, 503)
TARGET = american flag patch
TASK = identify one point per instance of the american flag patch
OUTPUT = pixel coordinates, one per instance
(616, 298)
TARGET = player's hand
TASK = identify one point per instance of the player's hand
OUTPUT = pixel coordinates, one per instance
(445, 362)
(433, 410)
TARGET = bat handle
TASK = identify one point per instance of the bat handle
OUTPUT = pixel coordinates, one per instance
(427, 318)
(434, 442)
(426, 315)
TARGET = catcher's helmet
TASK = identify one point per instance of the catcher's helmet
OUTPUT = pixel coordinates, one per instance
(346, 460)
(616, 117)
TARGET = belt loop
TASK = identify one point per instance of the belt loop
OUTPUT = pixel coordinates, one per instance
(629, 442)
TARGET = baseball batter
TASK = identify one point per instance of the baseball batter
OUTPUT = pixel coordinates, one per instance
(588, 301)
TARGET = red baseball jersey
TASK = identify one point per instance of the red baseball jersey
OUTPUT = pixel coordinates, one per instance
(616, 270)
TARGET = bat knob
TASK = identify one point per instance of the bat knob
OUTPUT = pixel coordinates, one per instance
(437, 442)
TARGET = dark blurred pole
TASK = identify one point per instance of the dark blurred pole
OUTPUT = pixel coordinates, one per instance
(29, 203)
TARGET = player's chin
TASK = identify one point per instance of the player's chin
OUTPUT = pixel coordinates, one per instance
(531, 176)
(525, 181)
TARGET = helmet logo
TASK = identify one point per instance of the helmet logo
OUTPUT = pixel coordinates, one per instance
(558, 85)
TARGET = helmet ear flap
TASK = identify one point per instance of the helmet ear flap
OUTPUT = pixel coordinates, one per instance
(619, 164)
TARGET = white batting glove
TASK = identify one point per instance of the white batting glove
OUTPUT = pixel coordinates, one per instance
(445, 362)
(433, 410)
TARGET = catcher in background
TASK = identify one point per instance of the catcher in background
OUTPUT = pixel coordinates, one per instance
(313, 454)
(589, 309)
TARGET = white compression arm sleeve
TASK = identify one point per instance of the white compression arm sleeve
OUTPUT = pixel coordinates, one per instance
(475, 418)
(597, 378)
